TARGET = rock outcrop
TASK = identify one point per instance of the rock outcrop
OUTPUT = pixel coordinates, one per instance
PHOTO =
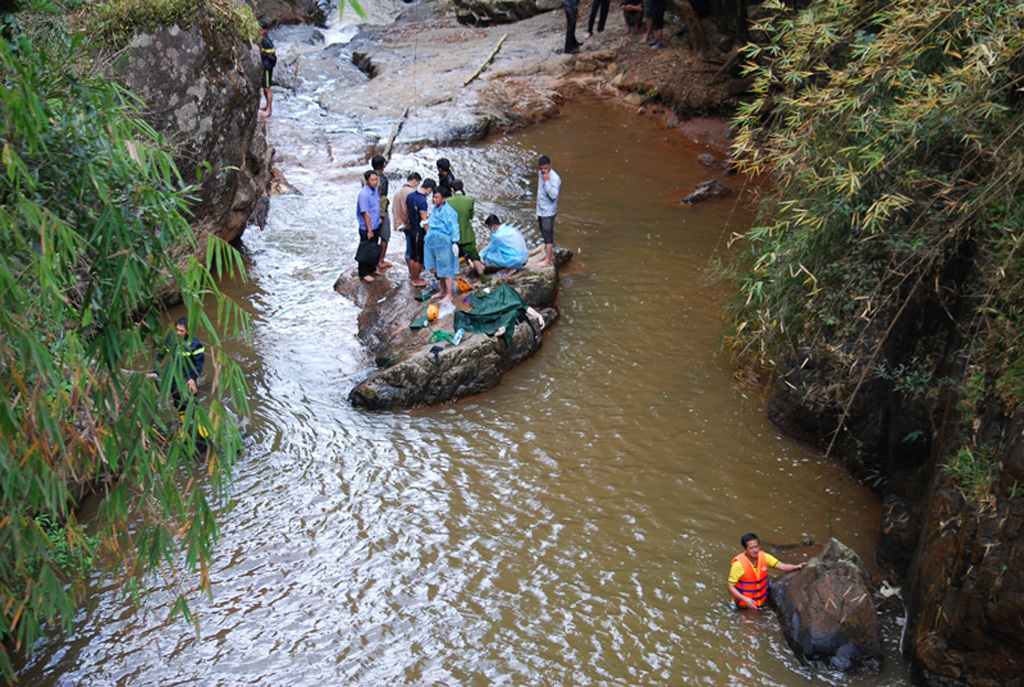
(291, 11)
(705, 191)
(202, 93)
(487, 12)
(827, 611)
(414, 370)
(958, 549)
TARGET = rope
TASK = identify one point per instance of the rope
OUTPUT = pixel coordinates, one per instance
(436, 335)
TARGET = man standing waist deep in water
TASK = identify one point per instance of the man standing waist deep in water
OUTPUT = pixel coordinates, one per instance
(748, 577)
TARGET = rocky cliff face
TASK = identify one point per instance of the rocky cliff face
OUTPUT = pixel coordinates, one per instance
(203, 95)
(952, 473)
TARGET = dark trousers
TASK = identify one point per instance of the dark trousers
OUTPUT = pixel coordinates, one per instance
(366, 268)
(571, 12)
(603, 6)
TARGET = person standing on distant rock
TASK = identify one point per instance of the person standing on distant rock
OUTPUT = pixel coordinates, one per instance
(571, 7)
(401, 219)
(549, 184)
(378, 163)
(748, 577)
(656, 23)
(368, 217)
(463, 206)
(598, 6)
(417, 205)
(442, 237)
(268, 59)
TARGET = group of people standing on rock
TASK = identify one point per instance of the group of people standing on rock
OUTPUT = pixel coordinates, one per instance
(633, 12)
(436, 217)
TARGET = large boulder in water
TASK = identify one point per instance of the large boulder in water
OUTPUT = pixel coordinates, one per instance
(415, 369)
(828, 612)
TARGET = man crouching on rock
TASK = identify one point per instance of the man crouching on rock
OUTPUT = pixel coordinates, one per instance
(748, 577)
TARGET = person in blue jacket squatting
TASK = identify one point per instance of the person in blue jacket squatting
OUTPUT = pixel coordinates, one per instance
(442, 234)
(748, 577)
(507, 247)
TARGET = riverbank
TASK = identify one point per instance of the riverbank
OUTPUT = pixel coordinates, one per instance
(411, 83)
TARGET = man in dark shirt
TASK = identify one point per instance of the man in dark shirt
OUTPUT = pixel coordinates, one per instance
(416, 203)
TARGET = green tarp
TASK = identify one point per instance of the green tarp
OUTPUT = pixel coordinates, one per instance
(492, 311)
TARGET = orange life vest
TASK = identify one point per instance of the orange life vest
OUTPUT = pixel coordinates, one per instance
(754, 583)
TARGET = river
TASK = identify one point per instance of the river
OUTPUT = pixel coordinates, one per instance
(573, 526)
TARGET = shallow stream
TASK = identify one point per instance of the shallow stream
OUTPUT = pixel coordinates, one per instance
(574, 526)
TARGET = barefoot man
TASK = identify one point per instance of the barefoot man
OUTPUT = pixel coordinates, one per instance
(548, 186)
(440, 247)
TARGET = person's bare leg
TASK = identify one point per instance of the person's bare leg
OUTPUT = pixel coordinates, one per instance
(269, 95)
(479, 267)
(548, 252)
(383, 264)
(649, 34)
(415, 269)
(446, 290)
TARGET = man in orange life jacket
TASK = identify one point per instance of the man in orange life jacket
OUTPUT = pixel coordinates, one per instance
(748, 577)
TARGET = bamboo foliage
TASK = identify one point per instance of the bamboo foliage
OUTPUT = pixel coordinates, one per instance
(92, 211)
(892, 131)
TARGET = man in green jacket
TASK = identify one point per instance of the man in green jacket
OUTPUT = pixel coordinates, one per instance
(463, 206)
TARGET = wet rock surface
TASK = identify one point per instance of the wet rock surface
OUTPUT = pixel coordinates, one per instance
(486, 12)
(705, 191)
(411, 374)
(828, 613)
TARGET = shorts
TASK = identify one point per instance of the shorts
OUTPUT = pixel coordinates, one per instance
(439, 256)
(647, 7)
(547, 229)
(385, 229)
(657, 14)
(414, 245)
(267, 75)
(468, 250)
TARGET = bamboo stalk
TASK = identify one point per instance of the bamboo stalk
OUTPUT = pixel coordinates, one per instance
(486, 62)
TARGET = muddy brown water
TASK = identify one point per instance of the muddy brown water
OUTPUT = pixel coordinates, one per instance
(573, 526)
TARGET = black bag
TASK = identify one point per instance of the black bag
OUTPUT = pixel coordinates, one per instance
(368, 251)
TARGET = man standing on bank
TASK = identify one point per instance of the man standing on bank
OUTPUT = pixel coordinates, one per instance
(268, 60)
(378, 163)
(571, 7)
(548, 186)
(748, 577)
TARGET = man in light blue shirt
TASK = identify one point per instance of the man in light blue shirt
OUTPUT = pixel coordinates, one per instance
(548, 186)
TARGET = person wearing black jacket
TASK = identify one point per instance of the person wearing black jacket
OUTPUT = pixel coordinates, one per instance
(268, 58)
(445, 177)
